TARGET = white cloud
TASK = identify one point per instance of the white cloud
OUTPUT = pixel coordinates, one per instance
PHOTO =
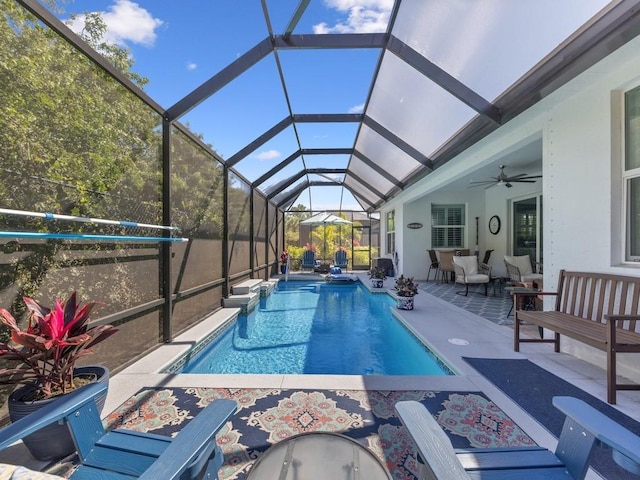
(357, 108)
(127, 22)
(192, 66)
(363, 16)
(268, 155)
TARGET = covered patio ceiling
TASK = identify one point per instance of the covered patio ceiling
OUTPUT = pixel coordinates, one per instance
(435, 78)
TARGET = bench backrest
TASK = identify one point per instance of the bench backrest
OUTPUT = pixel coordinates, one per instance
(592, 295)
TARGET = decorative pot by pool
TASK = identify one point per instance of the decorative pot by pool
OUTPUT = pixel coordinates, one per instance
(377, 283)
(405, 289)
(405, 303)
(52, 442)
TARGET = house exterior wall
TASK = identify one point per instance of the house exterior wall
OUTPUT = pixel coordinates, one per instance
(580, 127)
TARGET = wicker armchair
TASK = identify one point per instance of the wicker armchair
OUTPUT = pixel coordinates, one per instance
(469, 271)
(520, 269)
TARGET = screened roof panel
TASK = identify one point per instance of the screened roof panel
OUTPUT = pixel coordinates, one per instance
(362, 170)
(330, 197)
(414, 108)
(326, 177)
(341, 79)
(291, 188)
(237, 114)
(217, 68)
(384, 154)
(288, 171)
(331, 16)
(268, 155)
(326, 161)
(360, 190)
(489, 44)
(327, 135)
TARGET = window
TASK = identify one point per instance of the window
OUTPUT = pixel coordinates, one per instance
(447, 226)
(631, 172)
(391, 232)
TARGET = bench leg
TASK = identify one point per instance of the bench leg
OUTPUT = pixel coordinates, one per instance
(611, 362)
(516, 332)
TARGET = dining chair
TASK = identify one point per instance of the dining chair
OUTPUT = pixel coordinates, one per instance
(446, 267)
(433, 265)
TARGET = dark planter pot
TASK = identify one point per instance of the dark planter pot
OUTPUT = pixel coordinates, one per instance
(52, 442)
(377, 282)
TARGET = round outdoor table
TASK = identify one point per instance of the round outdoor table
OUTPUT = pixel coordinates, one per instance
(318, 456)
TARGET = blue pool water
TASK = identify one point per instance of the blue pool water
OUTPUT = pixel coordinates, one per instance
(306, 328)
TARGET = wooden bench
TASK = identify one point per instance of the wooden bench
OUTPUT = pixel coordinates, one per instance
(598, 309)
(583, 429)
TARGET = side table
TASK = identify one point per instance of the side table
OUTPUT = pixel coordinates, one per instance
(318, 456)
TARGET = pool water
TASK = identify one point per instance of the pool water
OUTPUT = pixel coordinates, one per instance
(318, 328)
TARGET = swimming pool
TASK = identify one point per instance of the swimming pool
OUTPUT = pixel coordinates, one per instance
(318, 328)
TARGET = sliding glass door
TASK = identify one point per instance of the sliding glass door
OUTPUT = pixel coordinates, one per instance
(527, 228)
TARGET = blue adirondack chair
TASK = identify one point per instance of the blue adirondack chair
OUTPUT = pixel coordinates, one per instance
(308, 259)
(340, 259)
(584, 428)
(125, 454)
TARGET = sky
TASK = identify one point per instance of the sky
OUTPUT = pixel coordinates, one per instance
(180, 45)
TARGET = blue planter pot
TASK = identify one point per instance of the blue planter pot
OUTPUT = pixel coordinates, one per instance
(52, 442)
(405, 303)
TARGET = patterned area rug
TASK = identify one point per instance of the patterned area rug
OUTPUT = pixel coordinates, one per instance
(267, 416)
(494, 307)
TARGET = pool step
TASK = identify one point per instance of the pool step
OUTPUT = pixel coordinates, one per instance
(245, 302)
(247, 286)
(267, 287)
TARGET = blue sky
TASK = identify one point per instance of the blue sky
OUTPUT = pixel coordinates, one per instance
(180, 45)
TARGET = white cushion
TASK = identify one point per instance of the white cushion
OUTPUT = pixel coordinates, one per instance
(468, 263)
(523, 262)
(531, 277)
(477, 278)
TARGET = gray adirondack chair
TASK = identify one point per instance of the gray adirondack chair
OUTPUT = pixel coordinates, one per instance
(584, 427)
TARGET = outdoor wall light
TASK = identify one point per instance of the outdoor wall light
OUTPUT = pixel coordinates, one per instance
(414, 225)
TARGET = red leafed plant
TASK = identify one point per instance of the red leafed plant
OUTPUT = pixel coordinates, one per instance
(47, 351)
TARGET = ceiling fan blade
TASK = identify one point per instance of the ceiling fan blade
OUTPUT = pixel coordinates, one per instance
(520, 175)
(481, 183)
(523, 180)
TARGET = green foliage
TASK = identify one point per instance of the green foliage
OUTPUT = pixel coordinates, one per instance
(405, 287)
(295, 256)
(72, 141)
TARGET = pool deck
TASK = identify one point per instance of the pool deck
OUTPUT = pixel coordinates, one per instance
(452, 333)
(442, 323)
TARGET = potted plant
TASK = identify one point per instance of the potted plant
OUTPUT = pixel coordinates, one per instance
(43, 360)
(377, 275)
(406, 289)
(284, 257)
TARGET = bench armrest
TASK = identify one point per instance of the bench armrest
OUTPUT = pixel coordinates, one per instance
(191, 441)
(63, 407)
(617, 318)
(624, 443)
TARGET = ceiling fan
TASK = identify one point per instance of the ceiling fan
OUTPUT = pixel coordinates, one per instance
(504, 179)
